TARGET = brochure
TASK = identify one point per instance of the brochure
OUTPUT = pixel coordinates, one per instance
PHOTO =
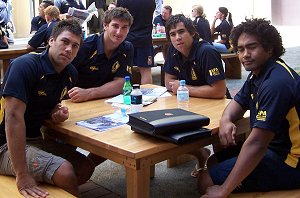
(105, 122)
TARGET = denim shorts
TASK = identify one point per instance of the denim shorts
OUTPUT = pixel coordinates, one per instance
(270, 174)
(143, 56)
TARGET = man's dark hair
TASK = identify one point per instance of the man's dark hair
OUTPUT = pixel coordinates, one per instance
(118, 13)
(267, 34)
(167, 7)
(71, 25)
(175, 19)
(48, 3)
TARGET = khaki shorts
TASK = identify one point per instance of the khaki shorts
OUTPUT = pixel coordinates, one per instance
(43, 158)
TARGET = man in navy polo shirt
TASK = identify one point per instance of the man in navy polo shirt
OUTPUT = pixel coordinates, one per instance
(163, 17)
(196, 62)
(39, 20)
(269, 158)
(104, 60)
(32, 91)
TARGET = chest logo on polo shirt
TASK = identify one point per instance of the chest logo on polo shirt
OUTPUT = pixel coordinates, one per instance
(115, 67)
(224, 35)
(214, 72)
(177, 68)
(129, 69)
(193, 74)
(63, 93)
(261, 115)
(94, 68)
(42, 93)
(95, 52)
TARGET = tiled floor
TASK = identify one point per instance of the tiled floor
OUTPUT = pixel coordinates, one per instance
(92, 190)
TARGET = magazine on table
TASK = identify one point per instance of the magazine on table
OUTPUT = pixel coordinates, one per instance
(105, 122)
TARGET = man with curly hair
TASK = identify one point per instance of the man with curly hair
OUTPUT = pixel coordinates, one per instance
(269, 158)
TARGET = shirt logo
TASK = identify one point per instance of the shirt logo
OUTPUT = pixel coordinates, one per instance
(129, 69)
(42, 93)
(63, 93)
(214, 72)
(94, 68)
(177, 68)
(115, 67)
(95, 52)
(261, 115)
(193, 74)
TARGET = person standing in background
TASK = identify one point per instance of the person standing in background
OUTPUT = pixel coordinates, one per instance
(39, 20)
(201, 23)
(224, 29)
(140, 35)
(6, 21)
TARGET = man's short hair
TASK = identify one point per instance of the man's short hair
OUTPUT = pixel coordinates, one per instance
(52, 11)
(118, 13)
(71, 25)
(48, 3)
(167, 7)
(267, 35)
(175, 19)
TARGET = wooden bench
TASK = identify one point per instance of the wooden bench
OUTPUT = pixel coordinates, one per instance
(271, 194)
(9, 189)
(233, 67)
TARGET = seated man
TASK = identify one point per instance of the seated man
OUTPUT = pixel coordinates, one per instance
(269, 159)
(41, 37)
(196, 62)
(32, 90)
(40, 20)
(163, 17)
(104, 60)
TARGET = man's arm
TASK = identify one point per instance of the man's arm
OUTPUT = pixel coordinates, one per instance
(109, 89)
(217, 90)
(16, 141)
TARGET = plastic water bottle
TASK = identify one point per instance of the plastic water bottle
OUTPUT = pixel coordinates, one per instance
(158, 28)
(183, 96)
(136, 99)
(126, 91)
(153, 30)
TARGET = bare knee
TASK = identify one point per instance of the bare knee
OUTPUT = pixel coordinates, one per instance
(65, 178)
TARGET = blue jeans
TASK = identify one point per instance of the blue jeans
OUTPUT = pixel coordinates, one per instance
(220, 47)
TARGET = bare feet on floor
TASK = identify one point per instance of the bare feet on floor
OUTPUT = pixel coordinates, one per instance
(202, 155)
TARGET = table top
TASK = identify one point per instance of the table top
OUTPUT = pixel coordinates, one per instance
(20, 48)
(122, 140)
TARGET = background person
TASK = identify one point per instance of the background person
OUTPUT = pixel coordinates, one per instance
(269, 158)
(104, 59)
(32, 90)
(40, 20)
(163, 17)
(223, 29)
(41, 37)
(201, 23)
(140, 35)
(64, 5)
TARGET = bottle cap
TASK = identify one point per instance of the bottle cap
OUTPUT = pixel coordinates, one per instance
(182, 82)
(135, 86)
(127, 77)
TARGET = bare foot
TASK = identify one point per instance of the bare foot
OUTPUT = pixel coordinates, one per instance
(202, 155)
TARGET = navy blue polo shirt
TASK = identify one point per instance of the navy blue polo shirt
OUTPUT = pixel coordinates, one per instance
(160, 20)
(224, 30)
(36, 23)
(271, 98)
(41, 37)
(32, 79)
(202, 26)
(64, 5)
(95, 69)
(203, 66)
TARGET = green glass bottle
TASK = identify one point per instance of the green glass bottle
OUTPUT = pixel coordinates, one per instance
(126, 91)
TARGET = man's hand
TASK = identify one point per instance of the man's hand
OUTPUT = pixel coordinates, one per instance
(28, 187)
(77, 94)
(174, 86)
(215, 192)
(227, 133)
(60, 113)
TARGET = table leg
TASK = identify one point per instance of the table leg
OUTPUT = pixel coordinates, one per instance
(138, 182)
